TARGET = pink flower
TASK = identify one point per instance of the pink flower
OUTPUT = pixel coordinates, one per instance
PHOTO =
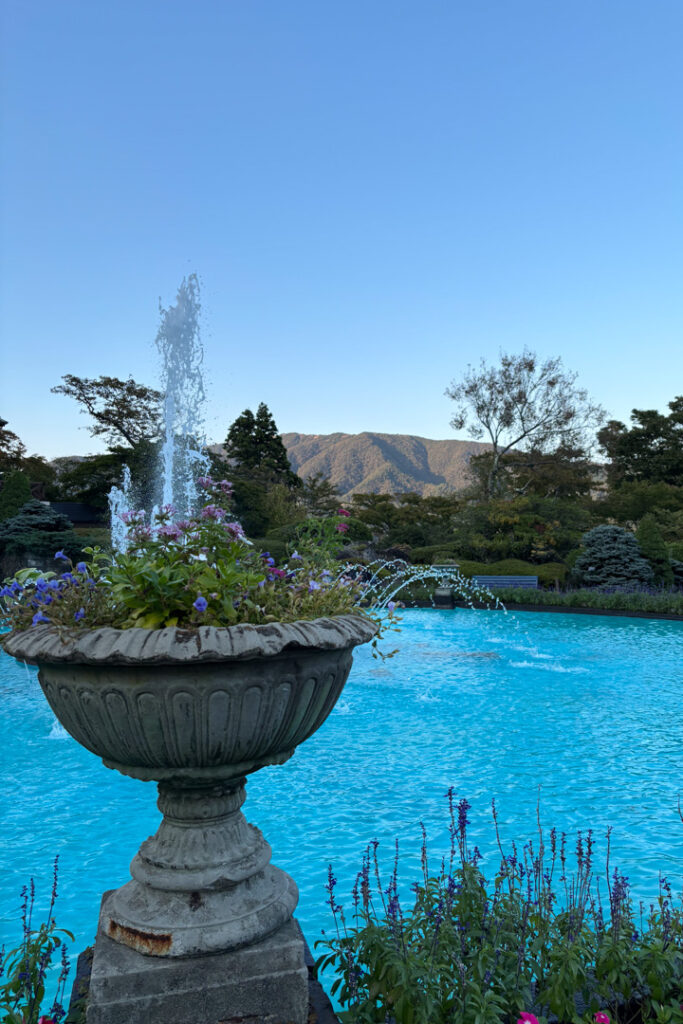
(601, 1018)
(46, 1020)
(342, 512)
(527, 1018)
(342, 527)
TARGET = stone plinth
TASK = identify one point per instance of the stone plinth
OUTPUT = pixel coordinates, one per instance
(444, 598)
(265, 983)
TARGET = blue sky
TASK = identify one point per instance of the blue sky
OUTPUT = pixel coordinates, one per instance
(374, 195)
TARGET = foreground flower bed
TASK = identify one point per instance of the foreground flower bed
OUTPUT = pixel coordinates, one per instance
(533, 943)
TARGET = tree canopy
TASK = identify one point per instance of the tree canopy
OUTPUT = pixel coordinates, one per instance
(650, 450)
(12, 448)
(124, 411)
(255, 445)
(525, 404)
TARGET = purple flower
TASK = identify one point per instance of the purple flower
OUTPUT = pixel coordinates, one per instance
(6, 592)
(205, 482)
(201, 604)
(170, 530)
(212, 512)
(295, 554)
(81, 567)
(39, 617)
(390, 606)
(69, 577)
(60, 554)
(16, 587)
(312, 585)
(80, 614)
(225, 486)
(41, 585)
(235, 530)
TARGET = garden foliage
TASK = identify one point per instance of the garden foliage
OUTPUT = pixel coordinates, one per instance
(533, 939)
(653, 549)
(16, 491)
(611, 558)
(23, 971)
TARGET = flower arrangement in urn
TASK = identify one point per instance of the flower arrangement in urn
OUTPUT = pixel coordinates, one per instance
(191, 659)
(188, 571)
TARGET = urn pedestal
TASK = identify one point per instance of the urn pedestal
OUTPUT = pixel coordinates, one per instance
(203, 933)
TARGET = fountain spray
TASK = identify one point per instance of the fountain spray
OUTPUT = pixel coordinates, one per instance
(183, 456)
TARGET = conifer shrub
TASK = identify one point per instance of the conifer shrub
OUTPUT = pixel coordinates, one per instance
(34, 515)
(37, 531)
(611, 558)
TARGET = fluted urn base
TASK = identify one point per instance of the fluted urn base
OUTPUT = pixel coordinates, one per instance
(204, 882)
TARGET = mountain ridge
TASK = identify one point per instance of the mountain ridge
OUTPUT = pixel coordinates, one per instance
(375, 462)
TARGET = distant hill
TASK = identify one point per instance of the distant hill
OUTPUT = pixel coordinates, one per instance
(383, 463)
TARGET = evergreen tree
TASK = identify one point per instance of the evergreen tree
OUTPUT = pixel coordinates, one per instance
(273, 454)
(16, 491)
(653, 549)
(651, 449)
(255, 445)
(240, 444)
(611, 558)
(320, 496)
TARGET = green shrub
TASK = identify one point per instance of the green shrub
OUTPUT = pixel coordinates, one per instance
(44, 545)
(653, 549)
(675, 551)
(662, 603)
(432, 553)
(548, 572)
(274, 545)
(610, 558)
(16, 491)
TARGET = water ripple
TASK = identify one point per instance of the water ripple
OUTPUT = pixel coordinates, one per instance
(590, 714)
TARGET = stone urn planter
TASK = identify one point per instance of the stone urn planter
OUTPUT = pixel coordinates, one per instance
(196, 711)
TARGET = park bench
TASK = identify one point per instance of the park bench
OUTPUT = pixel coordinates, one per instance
(530, 582)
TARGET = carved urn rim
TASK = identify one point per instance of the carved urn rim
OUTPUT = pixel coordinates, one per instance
(174, 646)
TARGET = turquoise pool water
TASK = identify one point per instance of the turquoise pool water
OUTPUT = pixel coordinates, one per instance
(589, 708)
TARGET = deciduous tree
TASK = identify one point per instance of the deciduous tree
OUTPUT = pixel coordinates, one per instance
(124, 411)
(525, 404)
